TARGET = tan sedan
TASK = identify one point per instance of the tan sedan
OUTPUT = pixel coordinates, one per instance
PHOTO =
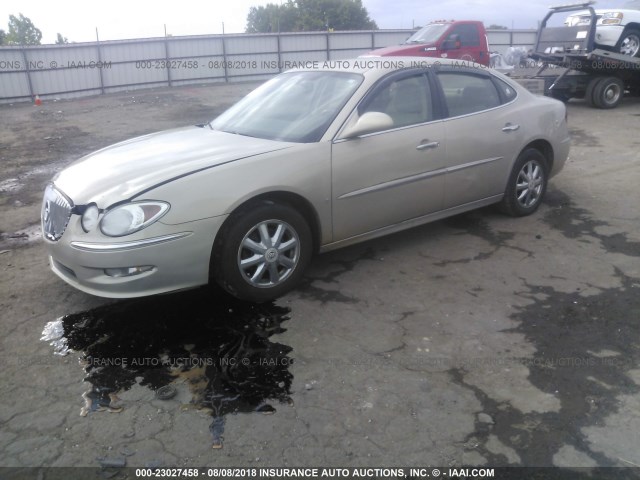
(310, 161)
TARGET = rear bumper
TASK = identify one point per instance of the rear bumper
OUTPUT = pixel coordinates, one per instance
(561, 154)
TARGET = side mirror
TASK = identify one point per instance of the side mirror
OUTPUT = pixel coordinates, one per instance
(368, 123)
(452, 42)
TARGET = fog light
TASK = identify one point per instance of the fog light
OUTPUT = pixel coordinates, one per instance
(127, 271)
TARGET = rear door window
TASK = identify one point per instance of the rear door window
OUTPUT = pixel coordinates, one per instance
(467, 93)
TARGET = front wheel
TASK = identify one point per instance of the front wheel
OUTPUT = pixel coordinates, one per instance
(527, 184)
(263, 252)
(629, 43)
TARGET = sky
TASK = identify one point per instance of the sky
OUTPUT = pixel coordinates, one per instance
(120, 19)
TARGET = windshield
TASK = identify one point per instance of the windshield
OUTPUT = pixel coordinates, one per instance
(292, 107)
(428, 34)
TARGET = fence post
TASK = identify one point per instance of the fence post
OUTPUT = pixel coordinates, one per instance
(27, 71)
(279, 54)
(99, 62)
(328, 51)
(166, 57)
(224, 60)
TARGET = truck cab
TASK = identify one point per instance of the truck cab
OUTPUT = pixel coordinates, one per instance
(464, 40)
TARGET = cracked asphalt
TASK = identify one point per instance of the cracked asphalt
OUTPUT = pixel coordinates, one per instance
(477, 340)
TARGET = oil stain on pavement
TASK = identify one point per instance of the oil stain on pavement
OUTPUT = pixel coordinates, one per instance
(576, 222)
(215, 344)
(585, 348)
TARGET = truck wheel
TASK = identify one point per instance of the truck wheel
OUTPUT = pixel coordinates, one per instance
(263, 252)
(527, 184)
(588, 96)
(608, 92)
(629, 43)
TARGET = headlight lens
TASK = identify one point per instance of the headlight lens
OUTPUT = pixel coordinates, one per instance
(611, 18)
(89, 218)
(131, 217)
(577, 20)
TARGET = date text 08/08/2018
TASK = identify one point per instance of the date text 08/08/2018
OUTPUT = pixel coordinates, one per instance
(285, 473)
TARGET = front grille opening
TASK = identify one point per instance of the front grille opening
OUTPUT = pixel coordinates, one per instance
(56, 212)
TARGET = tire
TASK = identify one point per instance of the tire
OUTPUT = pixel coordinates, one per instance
(629, 43)
(263, 252)
(588, 96)
(608, 92)
(527, 184)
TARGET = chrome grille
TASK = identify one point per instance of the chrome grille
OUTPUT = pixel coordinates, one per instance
(56, 211)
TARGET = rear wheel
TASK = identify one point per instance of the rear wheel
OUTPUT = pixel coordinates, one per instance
(527, 184)
(608, 92)
(629, 43)
(263, 252)
(588, 96)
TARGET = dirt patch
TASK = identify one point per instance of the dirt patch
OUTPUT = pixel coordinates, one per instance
(38, 141)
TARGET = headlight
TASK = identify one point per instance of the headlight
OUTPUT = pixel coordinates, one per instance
(572, 21)
(577, 20)
(89, 218)
(131, 217)
(611, 18)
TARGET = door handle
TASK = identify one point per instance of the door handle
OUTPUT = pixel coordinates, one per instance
(427, 145)
(510, 127)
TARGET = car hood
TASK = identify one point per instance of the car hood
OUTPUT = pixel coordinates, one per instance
(123, 170)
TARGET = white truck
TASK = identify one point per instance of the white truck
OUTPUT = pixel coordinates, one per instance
(597, 54)
(617, 30)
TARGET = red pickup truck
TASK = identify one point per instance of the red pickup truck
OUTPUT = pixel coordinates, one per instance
(465, 40)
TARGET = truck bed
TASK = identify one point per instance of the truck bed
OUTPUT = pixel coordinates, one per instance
(598, 61)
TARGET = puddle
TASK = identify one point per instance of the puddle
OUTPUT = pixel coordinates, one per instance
(22, 237)
(15, 184)
(583, 138)
(10, 185)
(217, 346)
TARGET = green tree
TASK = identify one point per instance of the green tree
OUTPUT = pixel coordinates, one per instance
(493, 26)
(3, 36)
(272, 18)
(22, 31)
(333, 14)
(310, 15)
(61, 40)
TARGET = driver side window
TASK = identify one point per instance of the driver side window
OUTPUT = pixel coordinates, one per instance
(467, 35)
(406, 100)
